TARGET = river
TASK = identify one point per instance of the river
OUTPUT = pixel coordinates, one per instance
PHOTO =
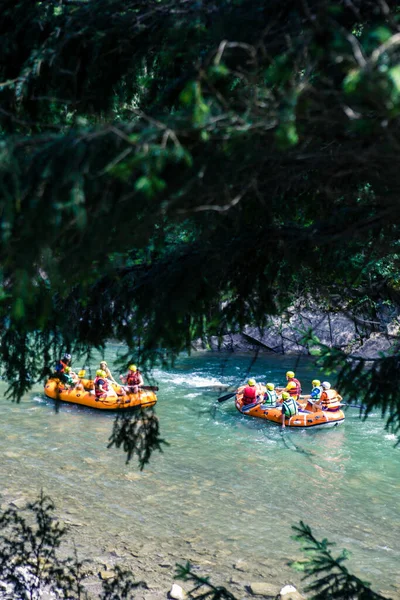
(223, 494)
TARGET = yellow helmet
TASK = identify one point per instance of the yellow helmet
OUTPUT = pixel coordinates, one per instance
(99, 373)
(82, 373)
(132, 368)
(270, 386)
(285, 395)
(251, 382)
(67, 369)
(315, 382)
(291, 385)
(290, 374)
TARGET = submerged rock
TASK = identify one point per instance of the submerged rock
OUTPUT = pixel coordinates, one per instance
(106, 575)
(289, 592)
(262, 588)
(19, 502)
(241, 565)
(177, 593)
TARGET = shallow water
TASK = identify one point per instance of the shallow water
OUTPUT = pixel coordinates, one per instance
(228, 487)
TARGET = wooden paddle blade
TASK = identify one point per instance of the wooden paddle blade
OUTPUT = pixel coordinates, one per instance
(226, 397)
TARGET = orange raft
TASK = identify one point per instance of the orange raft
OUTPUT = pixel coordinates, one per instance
(56, 390)
(309, 416)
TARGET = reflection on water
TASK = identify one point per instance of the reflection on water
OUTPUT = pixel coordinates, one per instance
(228, 485)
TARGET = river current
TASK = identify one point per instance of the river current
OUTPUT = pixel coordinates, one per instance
(227, 489)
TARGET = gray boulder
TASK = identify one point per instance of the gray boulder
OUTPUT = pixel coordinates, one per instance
(262, 588)
(376, 346)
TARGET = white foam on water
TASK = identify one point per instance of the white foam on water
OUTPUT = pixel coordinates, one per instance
(193, 380)
(39, 399)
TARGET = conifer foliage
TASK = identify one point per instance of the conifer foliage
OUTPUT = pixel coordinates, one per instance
(171, 170)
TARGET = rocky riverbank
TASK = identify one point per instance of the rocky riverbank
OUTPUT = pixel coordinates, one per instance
(358, 334)
(154, 564)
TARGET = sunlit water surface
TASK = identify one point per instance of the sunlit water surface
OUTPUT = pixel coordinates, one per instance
(228, 486)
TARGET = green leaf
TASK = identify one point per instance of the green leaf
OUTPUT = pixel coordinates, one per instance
(381, 34)
(298, 566)
(143, 184)
(394, 74)
(220, 70)
(19, 309)
(188, 94)
(286, 136)
(352, 81)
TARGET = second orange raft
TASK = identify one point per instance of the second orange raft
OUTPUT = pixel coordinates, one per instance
(309, 415)
(56, 390)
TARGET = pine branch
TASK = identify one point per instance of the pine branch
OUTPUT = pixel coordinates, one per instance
(332, 579)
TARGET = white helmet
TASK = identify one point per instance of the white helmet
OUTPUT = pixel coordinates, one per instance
(326, 385)
(67, 356)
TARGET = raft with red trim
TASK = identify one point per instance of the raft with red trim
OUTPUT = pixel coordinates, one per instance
(309, 416)
(84, 395)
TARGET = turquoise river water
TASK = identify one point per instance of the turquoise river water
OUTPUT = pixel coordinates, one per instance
(226, 491)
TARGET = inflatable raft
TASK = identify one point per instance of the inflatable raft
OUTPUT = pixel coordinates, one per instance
(84, 395)
(309, 415)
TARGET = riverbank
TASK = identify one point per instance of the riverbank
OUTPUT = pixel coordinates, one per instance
(359, 334)
(153, 561)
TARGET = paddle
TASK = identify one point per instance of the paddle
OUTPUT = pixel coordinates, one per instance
(226, 397)
(150, 388)
(352, 405)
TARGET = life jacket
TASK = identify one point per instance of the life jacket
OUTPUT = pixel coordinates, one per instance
(133, 378)
(103, 382)
(60, 367)
(330, 400)
(270, 398)
(249, 394)
(295, 392)
(316, 393)
(289, 407)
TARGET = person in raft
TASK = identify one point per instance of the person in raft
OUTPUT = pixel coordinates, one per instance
(78, 383)
(289, 407)
(104, 367)
(316, 390)
(61, 366)
(68, 378)
(102, 388)
(251, 393)
(293, 386)
(133, 379)
(329, 399)
(270, 396)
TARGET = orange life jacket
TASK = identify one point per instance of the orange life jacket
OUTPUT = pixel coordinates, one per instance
(330, 400)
